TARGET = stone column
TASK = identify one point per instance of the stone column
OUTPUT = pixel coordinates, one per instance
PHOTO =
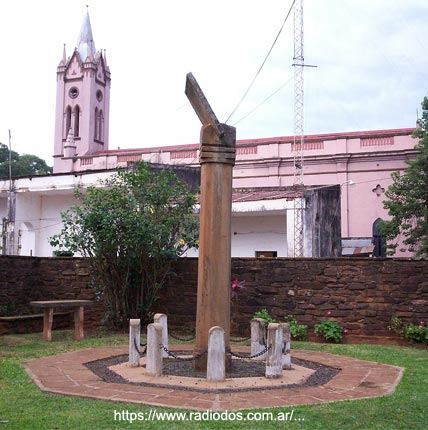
(274, 354)
(258, 337)
(286, 353)
(216, 364)
(217, 158)
(163, 321)
(134, 339)
(154, 352)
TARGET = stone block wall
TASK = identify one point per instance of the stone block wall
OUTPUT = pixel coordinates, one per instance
(361, 294)
(23, 279)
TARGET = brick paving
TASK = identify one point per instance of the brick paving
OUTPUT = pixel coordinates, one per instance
(66, 374)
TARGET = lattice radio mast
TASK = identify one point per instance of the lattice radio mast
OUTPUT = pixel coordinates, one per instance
(298, 144)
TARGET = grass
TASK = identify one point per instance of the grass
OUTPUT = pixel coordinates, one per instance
(23, 406)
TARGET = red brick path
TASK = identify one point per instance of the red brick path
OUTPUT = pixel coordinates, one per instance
(66, 374)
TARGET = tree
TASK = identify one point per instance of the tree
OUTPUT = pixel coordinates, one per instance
(22, 165)
(407, 202)
(132, 227)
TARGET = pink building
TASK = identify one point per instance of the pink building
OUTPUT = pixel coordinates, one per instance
(82, 102)
(360, 163)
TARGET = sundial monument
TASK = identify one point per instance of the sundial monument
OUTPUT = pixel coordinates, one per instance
(217, 158)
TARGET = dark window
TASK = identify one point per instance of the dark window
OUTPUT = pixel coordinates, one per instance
(100, 125)
(73, 93)
(96, 124)
(67, 120)
(266, 254)
(76, 121)
(378, 240)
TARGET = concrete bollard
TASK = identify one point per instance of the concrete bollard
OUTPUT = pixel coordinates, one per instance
(286, 353)
(163, 320)
(154, 352)
(216, 362)
(258, 337)
(274, 354)
(134, 339)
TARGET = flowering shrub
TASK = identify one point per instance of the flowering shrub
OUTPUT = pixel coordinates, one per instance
(416, 333)
(330, 330)
(236, 286)
(412, 332)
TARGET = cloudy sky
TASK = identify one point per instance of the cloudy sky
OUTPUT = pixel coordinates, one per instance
(371, 58)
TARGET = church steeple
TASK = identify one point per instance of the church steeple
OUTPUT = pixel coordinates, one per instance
(85, 43)
(82, 103)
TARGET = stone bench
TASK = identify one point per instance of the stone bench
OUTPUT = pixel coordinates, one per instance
(49, 305)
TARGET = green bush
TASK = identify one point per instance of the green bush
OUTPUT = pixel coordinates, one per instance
(132, 226)
(298, 331)
(264, 314)
(330, 330)
(416, 333)
(397, 326)
(411, 332)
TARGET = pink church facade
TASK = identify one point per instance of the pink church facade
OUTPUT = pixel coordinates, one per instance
(360, 163)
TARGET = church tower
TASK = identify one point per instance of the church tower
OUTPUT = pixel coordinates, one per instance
(82, 104)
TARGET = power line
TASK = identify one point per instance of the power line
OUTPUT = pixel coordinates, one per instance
(264, 101)
(263, 63)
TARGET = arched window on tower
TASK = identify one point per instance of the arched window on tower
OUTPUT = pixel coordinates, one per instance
(100, 126)
(96, 135)
(67, 121)
(76, 121)
(378, 240)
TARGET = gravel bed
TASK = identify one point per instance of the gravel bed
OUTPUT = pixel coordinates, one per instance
(240, 369)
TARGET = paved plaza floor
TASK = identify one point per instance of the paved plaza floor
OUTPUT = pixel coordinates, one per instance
(66, 374)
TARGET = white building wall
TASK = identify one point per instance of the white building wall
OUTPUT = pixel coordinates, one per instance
(50, 222)
(27, 222)
(251, 233)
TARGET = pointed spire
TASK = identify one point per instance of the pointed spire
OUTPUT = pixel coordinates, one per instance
(85, 43)
(64, 55)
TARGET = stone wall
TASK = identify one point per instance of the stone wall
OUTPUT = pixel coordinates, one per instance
(23, 279)
(362, 294)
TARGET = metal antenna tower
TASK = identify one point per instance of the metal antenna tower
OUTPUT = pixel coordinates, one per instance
(298, 143)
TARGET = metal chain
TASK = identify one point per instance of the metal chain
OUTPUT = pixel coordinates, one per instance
(188, 339)
(258, 354)
(138, 349)
(181, 338)
(241, 339)
(176, 357)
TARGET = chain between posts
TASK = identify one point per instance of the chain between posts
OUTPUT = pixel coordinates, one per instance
(228, 351)
(258, 354)
(138, 349)
(188, 339)
(241, 339)
(176, 357)
(194, 357)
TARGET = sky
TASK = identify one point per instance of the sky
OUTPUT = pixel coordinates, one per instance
(371, 74)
